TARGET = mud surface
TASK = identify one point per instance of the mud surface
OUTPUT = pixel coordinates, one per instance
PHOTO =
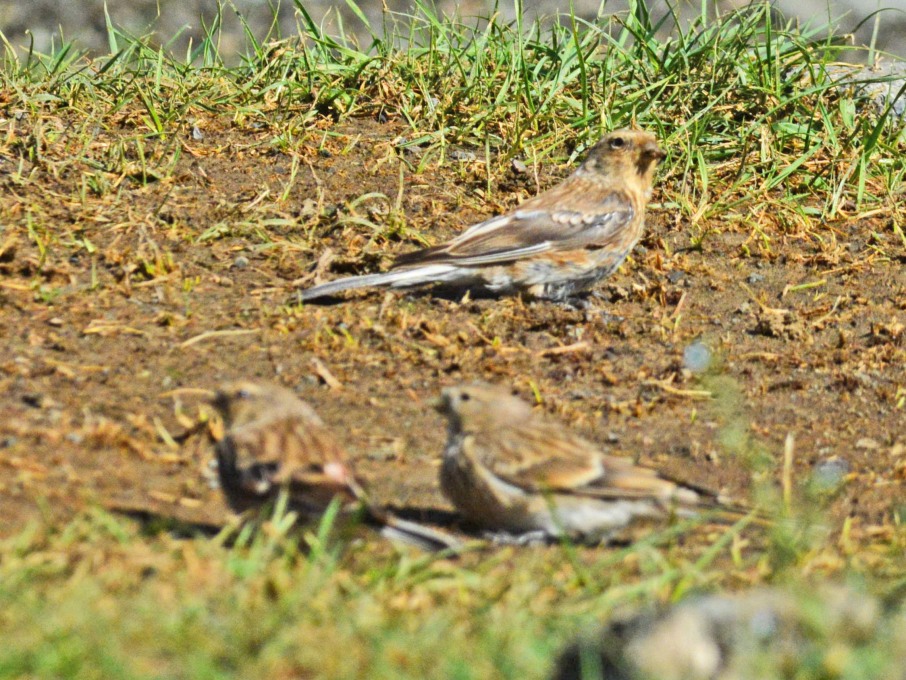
(118, 298)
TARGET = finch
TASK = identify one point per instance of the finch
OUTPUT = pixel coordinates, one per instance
(554, 245)
(275, 441)
(508, 469)
(759, 633)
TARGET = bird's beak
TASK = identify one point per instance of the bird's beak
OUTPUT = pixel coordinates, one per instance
(652, 150)
(442, 403)
(219, 400)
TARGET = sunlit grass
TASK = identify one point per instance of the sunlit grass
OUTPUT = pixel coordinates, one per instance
(98, 599)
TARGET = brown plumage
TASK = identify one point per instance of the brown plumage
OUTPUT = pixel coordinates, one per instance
(552, 246)
(274, 440)
(507, 468)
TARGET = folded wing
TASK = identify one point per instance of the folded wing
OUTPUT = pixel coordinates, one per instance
(531, 230)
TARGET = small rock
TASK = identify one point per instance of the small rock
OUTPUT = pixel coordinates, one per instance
(780, 323)
(461, 155)
(519, 167)
(754, 278)
(241, 262)
(675, 276)
(829, 474)
(697, 357)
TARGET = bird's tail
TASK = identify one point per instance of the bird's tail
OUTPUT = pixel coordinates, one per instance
(690, 501)
(396, 279)
(627, 480)
(418, 535)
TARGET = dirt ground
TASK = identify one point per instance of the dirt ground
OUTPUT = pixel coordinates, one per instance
(117, 298)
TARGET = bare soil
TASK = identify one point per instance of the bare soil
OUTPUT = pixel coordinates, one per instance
(106, 297)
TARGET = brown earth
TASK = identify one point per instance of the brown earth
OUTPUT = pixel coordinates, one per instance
(117, 296)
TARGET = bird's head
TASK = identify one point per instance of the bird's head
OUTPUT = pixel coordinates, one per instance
(479, 407)
(243, 401)
(631, 155)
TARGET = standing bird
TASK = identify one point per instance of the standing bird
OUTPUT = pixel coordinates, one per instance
(553, 246)
(273, 440)
(508, 469)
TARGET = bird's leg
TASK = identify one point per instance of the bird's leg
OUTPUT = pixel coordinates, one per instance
(577, 303)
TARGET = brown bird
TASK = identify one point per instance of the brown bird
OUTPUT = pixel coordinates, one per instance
(554, 245)
(758, 633)
(507, 468)
(275, 441)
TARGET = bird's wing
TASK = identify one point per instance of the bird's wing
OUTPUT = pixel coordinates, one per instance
(537, 456)
(580, 218)
(624, 479)
(546, 457)
(313, 467)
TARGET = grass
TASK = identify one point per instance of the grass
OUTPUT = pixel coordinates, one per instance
(97, 598)
(750, 109)
(768, 137)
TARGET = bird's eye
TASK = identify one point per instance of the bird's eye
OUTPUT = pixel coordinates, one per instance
(617, 143)
(465, 396)
(243, 393)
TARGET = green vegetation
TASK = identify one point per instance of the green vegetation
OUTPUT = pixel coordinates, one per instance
(767, 137)
(749, 109)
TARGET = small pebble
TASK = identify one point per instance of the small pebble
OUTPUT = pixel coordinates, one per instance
(461, 155)
(697, 357)
(241, 262)
(754, 278)
(829, 474)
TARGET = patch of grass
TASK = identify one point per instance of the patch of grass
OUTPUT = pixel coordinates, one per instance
(757, 117)
(97, 598)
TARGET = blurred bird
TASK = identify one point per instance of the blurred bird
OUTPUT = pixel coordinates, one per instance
(507, 468)
(553, 246)
(760, 633)
(275, 441)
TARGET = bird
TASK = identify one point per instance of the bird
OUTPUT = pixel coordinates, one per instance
(274, 441)
(763, 632)
(552, 246)
(509, 470)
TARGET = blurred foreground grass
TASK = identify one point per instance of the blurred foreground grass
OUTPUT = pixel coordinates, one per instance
(100, 599)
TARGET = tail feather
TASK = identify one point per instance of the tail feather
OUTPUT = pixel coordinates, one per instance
(396, 279)
(418, 535)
